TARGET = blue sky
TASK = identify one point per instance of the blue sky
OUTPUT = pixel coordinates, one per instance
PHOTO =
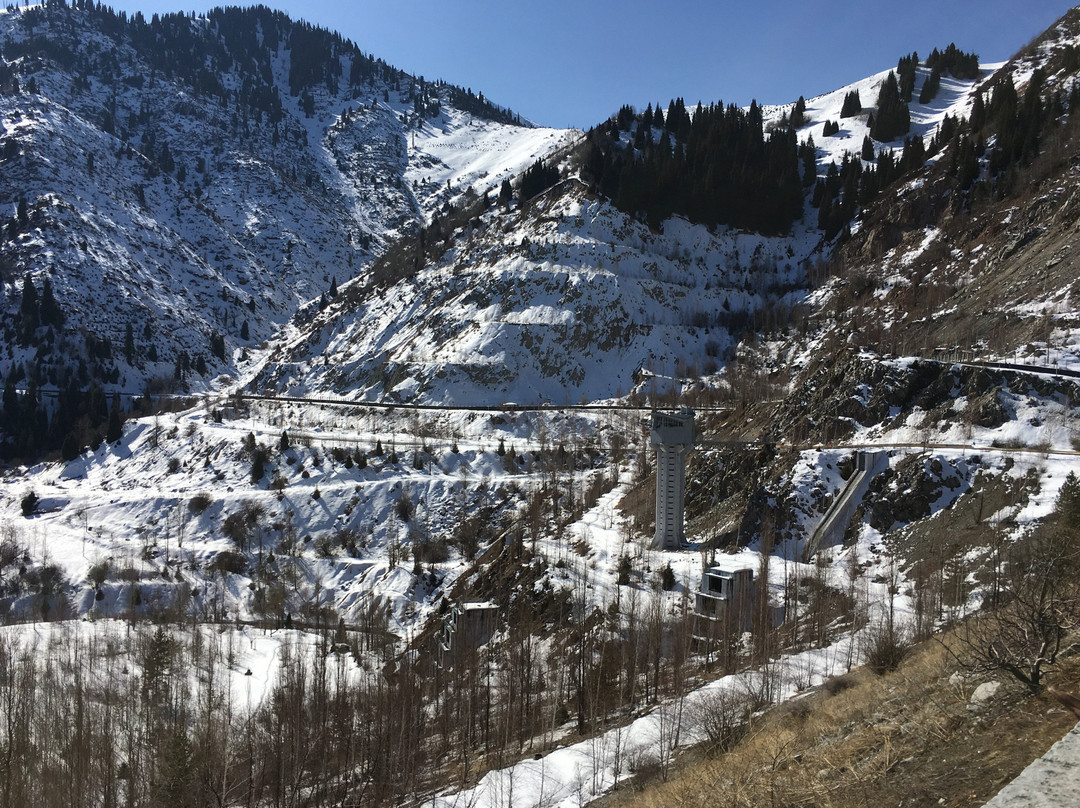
(564, 63)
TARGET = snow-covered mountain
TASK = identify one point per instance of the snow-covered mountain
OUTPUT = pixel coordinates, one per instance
(197, 179)
(351, 221)
(565, 298)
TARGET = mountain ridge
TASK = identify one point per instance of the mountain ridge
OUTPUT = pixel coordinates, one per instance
(917, 308)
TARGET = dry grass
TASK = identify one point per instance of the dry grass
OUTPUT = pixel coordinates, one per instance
(906, 738)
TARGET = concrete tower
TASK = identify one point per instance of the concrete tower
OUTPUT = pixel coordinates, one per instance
(672, 434)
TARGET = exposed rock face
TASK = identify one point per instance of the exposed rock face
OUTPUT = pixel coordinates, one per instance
(905, 493)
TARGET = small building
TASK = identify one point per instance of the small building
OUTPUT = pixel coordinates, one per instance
(672, 435)
(469, 626)
(724, 604)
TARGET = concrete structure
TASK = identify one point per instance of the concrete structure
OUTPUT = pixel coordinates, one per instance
(469, 626)
(830, 530)
(1052, 780)
(725, 602)
(724, 605)
(672, 435)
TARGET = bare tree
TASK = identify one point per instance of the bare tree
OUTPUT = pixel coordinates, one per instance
(1040, 602)
(1039, 596)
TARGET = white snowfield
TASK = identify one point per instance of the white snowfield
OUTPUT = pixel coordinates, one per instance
(461, 152)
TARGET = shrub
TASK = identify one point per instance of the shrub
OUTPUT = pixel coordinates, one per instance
(432, 551)
(29, 503)
(228, 562)
(667, 578)
(722, 714)
(200, 502)
(886, 648)
(235, 527)
(258, 464)
(838, 684)
(9, 552)
(350, 540)
(404, 507)
(98, 573)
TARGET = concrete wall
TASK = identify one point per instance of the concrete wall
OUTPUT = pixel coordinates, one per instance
(830, 530)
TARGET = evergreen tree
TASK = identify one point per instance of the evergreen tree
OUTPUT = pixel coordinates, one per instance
(537, 179)
(217, 345)
(29, 310)
(721, 168)
(965, 163)
(70, 448)
(852, 105)
(506, 194)
(893, 117)
(867, 149)
(49, 309)
(808, 155)
(1068, 503)
(930, 87)
(29, 305)
(165, 159)
(906, 70)
(258, 465)
(798, 114)
(978, 112)
(11, 403)
(958, 63)
(129, 344)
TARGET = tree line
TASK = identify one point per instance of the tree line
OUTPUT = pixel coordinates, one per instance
(717, 167)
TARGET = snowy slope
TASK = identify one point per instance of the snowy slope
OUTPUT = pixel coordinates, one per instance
(953, 99)
(565, 301)
(571, 300)
(252, 219)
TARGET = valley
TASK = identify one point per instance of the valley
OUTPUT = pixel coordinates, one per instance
(326, 420)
